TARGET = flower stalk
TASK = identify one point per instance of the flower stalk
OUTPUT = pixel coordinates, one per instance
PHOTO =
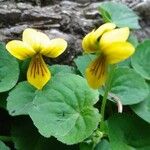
(104, 100)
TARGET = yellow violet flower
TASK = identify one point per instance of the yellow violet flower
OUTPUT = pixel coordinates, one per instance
(35, 44)
(111, 46)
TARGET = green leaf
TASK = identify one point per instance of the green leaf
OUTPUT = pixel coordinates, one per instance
(61, 69)
(83, 127)
(105, 15)
(126, 63)
(66, 102)
(64, 109)
(119, 14)
(82, 62)
(133, 40)
(9, 70)
(3, 146)
(129, 86)
(143, 109)
(26, 137)
(103, 145)
(140, 60)
(20, 99)
(127, 132)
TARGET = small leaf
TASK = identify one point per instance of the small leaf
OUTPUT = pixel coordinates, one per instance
(64, 109)
(129, 86)
(9, 70)
(140, 60)
(143, 109)
(119, 14)
(82, 62)
(127, 132)
(3, 146)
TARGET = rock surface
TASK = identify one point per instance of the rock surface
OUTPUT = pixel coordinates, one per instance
(70, 20)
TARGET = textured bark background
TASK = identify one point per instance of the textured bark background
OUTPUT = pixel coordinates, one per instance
(70, 20)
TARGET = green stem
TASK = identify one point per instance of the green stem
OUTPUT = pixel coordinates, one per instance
(93, 147)
(104, 100)
(5, 138)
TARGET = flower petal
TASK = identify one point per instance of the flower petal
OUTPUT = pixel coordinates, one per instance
(118, 51)
(19, 49)
(90, 41)
(116, 35)
(38, 74)
(55, 48)
(104, 28)
(37, 40)
(96, 72)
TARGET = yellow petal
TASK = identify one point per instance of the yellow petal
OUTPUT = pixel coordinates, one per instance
(55, 48)
(118, 51)
(89, 44)
(104, 28)
(37, 40)
(90, 41)
(96, 72)
(38, 74)
(116, 35)
(19, 49)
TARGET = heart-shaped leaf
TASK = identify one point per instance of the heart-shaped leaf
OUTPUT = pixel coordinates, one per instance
(65, 109)
(66, 102)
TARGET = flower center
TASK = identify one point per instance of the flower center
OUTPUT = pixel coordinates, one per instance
(98, 68)
(37, 66)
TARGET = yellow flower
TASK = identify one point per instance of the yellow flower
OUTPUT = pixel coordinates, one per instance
(35, 44)
(111, 46)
